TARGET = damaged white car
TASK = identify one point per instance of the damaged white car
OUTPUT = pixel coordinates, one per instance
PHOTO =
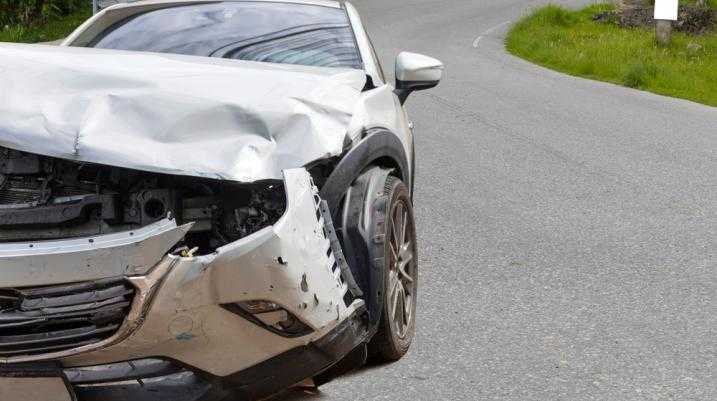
(204, 200)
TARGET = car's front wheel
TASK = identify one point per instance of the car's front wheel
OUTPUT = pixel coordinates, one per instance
(397, 325)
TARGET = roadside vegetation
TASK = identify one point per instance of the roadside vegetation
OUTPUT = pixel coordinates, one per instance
(595, 43)
(32, 21)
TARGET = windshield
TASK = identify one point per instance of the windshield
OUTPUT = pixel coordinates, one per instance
(256, 31)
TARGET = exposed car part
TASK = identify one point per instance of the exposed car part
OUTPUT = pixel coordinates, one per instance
(359, 229)
(341, 263)
(45, 198)
(385, 270)
(290, 263)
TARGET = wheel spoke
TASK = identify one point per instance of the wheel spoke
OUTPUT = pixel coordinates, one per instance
(405, 256)
(393, 297)
(394, 253)
(401, 317)
(394, 235)
(404, 229)
(399, 224)
(405, 252)
(402, 269)
(408, 307)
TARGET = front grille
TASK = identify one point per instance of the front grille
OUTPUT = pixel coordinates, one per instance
(50, 319)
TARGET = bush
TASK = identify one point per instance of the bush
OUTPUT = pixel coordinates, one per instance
(29, 12)
(557, 16)
(638, 73)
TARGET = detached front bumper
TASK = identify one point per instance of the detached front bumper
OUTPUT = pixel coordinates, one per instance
(181, 326)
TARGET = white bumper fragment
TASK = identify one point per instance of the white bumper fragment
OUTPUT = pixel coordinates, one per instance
(180, 314)
(32, 264)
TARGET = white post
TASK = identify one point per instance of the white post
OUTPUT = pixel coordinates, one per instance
(95, 6)
(665, 13)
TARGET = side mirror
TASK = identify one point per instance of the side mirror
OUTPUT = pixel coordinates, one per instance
(415, 72)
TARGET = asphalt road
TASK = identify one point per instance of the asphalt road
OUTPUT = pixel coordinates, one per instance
(568, 228)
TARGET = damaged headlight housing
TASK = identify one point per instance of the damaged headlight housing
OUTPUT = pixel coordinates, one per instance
(270, 316)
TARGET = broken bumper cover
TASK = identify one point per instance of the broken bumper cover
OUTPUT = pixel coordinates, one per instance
(183, 307)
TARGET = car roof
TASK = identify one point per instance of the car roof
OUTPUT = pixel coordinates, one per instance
(134, 3)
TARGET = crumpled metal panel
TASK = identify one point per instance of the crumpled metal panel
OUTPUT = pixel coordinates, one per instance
(286, 263)
(173, 114)
(134, 252)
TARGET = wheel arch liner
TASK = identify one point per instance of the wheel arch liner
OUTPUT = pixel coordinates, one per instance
(362, 230)
(378, 144)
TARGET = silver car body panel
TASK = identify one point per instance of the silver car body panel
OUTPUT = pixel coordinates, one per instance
(65, 261)
(182, 115)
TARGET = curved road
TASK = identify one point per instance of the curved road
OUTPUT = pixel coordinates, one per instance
(568, 227)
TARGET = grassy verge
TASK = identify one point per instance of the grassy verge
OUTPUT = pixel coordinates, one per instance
(571, 42)
(54, 29)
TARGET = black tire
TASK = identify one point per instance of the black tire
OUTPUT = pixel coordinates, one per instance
(397, 327)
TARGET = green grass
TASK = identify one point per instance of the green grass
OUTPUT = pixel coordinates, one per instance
(54, 29)
(709, 3)
(571, 42)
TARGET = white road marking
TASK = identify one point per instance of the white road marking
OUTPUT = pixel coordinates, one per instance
(488, 31)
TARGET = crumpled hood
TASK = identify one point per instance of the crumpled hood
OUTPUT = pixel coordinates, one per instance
(184, 115)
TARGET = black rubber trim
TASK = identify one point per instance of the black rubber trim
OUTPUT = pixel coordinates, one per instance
(291, 367)
(405, 88)
(338, 252)
(379, 143)
(238, 310)
(138, 369)
(37, 369)
(361, 221)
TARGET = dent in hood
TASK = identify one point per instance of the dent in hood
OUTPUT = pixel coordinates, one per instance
(183, 115)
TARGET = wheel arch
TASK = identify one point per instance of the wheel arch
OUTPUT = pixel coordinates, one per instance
(378, 147)
(354, 193)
